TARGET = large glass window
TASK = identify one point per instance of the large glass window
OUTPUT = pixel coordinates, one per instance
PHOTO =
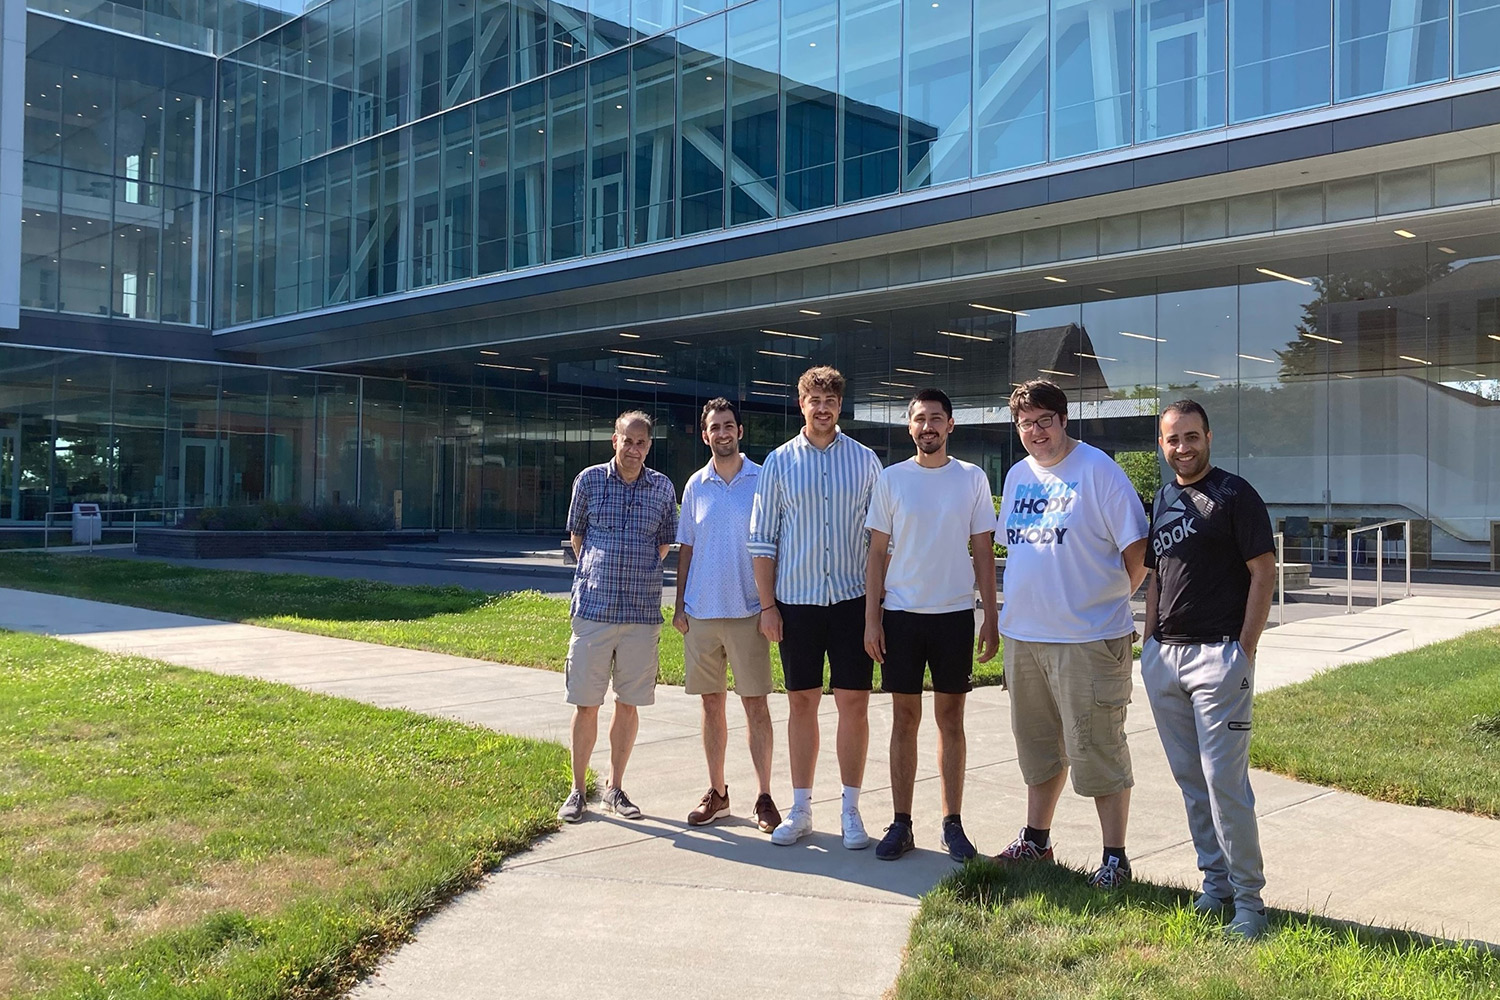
(653, 88)
(41, 236)
(609, 152)
(1386, 45)
(457, 237)
(428, 252)
(754, 111)
(1091, 60)
(700, 87)
(870, 97)
(492, 156)
(1476, 25)
(395, 155)
(567, 131)
(1010, 85)
(937, 73)
(809, 68)
(493, 46)
(1181, 67)
(1280, 53)
(528, 159)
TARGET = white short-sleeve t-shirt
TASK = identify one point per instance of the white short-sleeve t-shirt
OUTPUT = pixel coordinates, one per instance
(1064, 529)
(930, 514)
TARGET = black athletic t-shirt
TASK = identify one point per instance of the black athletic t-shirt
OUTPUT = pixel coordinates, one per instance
(1201, 537)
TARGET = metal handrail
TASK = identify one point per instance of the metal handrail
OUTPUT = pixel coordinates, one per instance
(109, 515)
(1379, 530)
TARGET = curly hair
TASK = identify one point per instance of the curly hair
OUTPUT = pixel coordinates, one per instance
(823, 377)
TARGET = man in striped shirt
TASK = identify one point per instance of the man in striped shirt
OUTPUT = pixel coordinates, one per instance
(808, 545)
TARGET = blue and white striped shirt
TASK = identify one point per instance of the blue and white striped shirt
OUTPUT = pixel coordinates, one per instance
(715, 521)
(809, 515)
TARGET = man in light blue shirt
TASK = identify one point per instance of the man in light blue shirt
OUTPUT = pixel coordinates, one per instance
(808, 540)
(718, 610)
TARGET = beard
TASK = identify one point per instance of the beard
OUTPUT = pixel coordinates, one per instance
(930, 446)
(725, 450)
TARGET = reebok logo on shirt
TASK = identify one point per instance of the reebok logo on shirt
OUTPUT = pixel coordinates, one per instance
(1039, 512)
(1172, 526)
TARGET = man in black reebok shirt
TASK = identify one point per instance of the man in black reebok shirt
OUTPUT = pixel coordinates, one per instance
(1212, 569)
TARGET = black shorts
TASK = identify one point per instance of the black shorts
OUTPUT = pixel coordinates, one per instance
(810, 631)
(914, 642)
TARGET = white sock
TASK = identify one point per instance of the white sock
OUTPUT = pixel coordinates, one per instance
(851, 798)
(802, 799)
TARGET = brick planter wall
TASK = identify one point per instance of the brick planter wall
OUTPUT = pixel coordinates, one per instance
(178, 543)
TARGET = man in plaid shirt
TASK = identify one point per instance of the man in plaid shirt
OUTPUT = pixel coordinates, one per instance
(622, 520)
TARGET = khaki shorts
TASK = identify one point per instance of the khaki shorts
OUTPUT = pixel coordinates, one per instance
(1067, 709)
(599, 649)
(713, 643)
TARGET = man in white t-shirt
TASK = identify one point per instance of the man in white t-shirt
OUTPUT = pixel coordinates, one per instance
(932, 525)
(1075, 534)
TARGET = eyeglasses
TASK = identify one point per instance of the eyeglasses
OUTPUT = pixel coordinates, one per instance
(1043, 423)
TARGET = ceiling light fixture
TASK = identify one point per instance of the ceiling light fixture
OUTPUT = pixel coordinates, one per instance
(641, 368)
(1096, 357)
(779, 354)
(1052, 277)
(1417, 361)
(866, 322)
(493, 354)
(1107, 291)
(1493, 336)
(632, 336)
(634, 354)
(796, 336)
(1326, 340)
(883, 395)
(1447, 250)
(1405, 234)
(1189, 371)
(509, 368)
(997, 309)
(758, 381)
(1141, 336)
(1054, 371)
(941, 357)
(1283, 277)
(966, 336)
(1341, 375)
(644, 381)
(1257, 357)
(899, 385)
(809, 312)
(773, 395)
(913, 371)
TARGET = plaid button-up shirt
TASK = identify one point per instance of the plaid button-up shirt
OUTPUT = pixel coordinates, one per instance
(623, 527)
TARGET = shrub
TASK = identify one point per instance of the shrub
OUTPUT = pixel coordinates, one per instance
(288, 517)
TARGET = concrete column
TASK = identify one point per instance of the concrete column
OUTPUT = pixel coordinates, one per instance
(12, 111)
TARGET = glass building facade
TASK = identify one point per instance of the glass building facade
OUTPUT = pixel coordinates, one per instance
(272, 186)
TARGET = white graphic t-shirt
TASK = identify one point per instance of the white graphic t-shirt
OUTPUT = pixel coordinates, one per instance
(930, 514)
(1064, 529)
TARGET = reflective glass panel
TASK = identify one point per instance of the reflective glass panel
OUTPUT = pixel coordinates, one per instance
(492, 154)
(1280, 53)
(1181, 67)
(809, 68)
(1010, 85)
(700, 75)
(870, 97)
(753, 111)
(1386, 45)
(653, 88)
(528, 159)
(1476, 26)
(1091, 75)
(936, 81)
(609, 152)
(568, 155)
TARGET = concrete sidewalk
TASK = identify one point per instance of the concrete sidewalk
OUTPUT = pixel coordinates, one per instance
(610, 908)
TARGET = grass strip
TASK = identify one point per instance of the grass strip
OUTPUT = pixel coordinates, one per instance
(1041, 932)
(526, 628)
(1419, 728)
(169, 833)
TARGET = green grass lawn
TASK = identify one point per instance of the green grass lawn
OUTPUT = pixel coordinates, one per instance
(167, 833)
(1419, 728)
(526, 628)
(1043, 933)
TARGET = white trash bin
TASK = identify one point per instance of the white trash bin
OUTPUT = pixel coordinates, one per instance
(88, 523)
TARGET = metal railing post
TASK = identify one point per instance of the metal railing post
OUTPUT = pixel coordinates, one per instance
(1408, 558)
(1379, 564)
(1349, 565)
(1281, 578)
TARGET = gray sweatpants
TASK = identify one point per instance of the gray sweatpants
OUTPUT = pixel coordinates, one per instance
(1201, 698)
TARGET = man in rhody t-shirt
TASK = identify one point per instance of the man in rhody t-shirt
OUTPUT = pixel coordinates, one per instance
(1075, 534)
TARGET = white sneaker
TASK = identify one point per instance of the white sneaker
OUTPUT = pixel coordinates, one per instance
(798, 824)
(855, 838)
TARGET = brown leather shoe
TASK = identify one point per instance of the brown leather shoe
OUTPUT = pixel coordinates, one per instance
(767, 816)
(710, 807)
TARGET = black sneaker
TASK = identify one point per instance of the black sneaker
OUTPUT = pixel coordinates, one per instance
(956, 842)
(896, 842)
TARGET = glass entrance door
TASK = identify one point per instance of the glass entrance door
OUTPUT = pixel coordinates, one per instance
(455, 488)
(205, 471)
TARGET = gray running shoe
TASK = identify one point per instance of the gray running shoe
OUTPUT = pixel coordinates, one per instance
(1247, 925)
(572, 810)
(617, 802)
(1212, 905)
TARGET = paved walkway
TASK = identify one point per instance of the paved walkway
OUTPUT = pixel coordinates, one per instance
(609, 908)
